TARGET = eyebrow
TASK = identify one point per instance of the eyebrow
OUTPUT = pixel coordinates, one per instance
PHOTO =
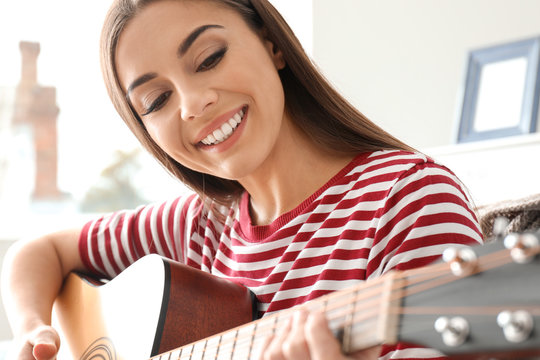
(190, 39)
(139, 81)
(182, 49)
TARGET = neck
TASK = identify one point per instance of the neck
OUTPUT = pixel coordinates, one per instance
(360, 317)
(295, 170)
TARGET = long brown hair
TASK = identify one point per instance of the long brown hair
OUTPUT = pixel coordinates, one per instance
(314, 105)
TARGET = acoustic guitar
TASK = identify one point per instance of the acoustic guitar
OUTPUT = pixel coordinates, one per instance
(479, 303)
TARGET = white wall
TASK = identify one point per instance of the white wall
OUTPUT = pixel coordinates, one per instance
(402, 62)
(299, 16)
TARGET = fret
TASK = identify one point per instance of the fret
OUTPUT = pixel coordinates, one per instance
(218, 346)
(226, 344)
(186, 353)
(348, 326)
(212, 347)
(204, 349)
(388, 318)
(253, 332)
(198, 350)
(175, 354)
(234, 343)
(243, 342)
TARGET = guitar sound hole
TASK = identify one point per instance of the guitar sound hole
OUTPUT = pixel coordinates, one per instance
(101, 349)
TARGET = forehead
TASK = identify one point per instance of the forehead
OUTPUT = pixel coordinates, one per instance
(182, 10)
(169, 16)
(158, 29)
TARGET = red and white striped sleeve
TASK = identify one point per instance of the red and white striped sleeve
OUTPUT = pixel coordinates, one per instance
(111, 243)
(425, 210)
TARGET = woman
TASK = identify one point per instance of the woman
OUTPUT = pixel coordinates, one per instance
(297, 193)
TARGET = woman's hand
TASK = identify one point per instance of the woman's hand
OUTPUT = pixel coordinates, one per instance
(41, 344)
(307, 337)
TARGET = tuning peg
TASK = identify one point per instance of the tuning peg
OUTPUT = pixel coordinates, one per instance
(522, 246)
(517, 326)
(462, 260)
(454, 331)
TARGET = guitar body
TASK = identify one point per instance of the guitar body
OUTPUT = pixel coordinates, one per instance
(152, 307)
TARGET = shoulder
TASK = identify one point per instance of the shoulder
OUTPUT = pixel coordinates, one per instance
(399, 179)
(391, 166)
(395, 161)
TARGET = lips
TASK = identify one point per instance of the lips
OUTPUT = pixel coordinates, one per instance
(226, 129)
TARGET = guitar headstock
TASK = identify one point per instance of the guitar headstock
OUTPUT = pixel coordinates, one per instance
(482, 302)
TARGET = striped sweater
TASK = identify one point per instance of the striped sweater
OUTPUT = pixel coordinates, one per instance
(385, 210)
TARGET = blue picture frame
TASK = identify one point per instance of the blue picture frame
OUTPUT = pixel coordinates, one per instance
(525, 50)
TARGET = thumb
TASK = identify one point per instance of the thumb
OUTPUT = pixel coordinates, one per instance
(45, 343)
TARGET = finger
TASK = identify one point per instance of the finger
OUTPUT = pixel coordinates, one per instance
(45, 351)
(46, 343)
(295, 345)
(275, 349)
(322, 343)
(263, 349)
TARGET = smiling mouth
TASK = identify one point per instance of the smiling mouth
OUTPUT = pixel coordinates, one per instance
(226, 130)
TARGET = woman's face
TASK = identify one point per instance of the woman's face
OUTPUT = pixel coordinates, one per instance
(204, 84)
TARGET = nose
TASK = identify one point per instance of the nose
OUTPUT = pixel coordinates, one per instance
(195, 103)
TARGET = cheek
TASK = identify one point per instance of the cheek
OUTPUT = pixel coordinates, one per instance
(255, 74)
(163, 136)
(263, 87)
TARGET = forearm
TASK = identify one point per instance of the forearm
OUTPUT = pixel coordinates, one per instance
(32, 275)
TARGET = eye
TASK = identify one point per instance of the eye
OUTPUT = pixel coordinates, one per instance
(157, 104)
(211, 61)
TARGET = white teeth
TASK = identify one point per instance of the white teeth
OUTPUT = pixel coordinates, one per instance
(218, 134)
(223, 133)
(227, 129)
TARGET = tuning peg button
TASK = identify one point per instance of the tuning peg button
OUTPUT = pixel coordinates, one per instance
(517, 326)
(523, 247)
(454, 331)
(462, 260)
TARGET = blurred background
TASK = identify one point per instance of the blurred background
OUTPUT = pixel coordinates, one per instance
(65, 154)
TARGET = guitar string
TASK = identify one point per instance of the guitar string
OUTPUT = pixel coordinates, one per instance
(236, 341)
(414, 278)
(371, 291)
(489, 262)
(361, 318)
(485, 313)
(239, 342)
(469, 310)
(494, 260)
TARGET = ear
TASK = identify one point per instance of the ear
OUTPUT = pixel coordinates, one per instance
(275, 54)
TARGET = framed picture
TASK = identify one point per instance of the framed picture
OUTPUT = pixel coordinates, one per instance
(502, 90)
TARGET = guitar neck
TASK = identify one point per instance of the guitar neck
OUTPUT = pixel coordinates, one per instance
(352, 315)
